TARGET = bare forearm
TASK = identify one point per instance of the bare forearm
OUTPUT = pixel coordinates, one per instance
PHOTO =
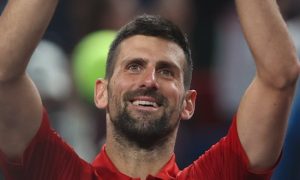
(22, 24)
(270, 43)
(263, 112)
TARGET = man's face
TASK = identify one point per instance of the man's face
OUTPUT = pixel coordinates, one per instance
(146, 93)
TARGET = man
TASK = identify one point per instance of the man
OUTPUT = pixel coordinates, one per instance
(146, 93)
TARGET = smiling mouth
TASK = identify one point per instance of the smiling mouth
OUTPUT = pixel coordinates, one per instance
(145, 99)
(145, 103)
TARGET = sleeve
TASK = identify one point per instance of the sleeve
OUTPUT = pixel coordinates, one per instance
(47, 157)
(225, 160)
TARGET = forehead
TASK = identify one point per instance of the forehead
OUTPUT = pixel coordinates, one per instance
(152, 48)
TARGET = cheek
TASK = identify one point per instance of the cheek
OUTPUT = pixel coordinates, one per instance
(121, 81)
(113, 92)
(174, 93)
(117, 87)
(114, 100)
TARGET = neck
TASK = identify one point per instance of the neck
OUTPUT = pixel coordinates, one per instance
(134, 161)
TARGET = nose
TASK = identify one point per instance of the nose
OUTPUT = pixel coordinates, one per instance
(149, 79)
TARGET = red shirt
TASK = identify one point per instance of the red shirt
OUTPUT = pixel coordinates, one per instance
(49, 157)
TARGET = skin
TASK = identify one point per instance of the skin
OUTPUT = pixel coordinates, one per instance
(145, 62)
(264, 109)
(21, 107)
(261, 118)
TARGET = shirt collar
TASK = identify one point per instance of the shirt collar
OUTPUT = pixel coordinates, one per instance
(106, 169)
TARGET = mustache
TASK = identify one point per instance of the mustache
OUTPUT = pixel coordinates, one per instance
(159, 98)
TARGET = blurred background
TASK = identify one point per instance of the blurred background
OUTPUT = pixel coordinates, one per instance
(72, 55)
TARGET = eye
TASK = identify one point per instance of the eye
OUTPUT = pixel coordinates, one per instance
(134, 67)
(166, 73)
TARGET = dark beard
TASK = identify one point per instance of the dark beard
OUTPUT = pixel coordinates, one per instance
(146, 133)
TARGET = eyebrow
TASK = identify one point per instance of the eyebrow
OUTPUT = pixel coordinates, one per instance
(166, 64)
(160, 63)
(134, 60)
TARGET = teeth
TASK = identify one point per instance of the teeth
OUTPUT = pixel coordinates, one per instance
(144, 103)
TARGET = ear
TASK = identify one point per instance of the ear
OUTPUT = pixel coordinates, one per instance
(189, 104)
(100, 93)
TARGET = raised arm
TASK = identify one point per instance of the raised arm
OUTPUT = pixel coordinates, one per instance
(22, 24)
(264, 109)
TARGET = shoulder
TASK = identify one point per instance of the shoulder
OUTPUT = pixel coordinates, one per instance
(47, 156)
(225, 159)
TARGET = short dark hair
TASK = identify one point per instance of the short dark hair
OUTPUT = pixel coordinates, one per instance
(152, 25)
